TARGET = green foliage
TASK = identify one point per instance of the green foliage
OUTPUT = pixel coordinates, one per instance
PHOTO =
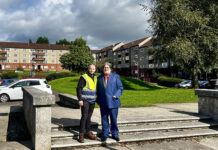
(54, 76)
(187, 33)
(63, 42)
(155, 76)
(42, 40)
(136, 92)
(9, 75)
(79, 57)
(100, 64)
(168, 81)
(30, 41)
(20, 69)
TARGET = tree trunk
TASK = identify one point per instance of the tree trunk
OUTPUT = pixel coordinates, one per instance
(195, 78)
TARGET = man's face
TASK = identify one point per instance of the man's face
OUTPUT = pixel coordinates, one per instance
(107, 70)
(92, 69)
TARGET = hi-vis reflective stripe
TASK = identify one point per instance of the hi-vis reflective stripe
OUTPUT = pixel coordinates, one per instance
(88, 97)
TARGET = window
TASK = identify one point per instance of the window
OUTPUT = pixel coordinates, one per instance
(53, 61)
(7, 49)
(32, 83)
(53, 55)
(7, 66)
(15, 66)
(15, 55)
(127, 61)
(24, 50)
(15, 60)
(46, 67)
(52, 51)
(24, 55)
(142, 50)
(8, 55)
(24, 61)
(20, 84)
(115, 53)
(52, 67)
(142, 74)
(136, 63)
(136, 56)
(32, 50)
(61, 51)
(141, 58)
(24, 66)
(119, 62)
(15, 49)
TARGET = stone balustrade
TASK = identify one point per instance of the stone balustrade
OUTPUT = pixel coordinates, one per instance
(37, 113)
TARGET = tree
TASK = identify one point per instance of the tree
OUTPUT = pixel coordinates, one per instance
(79, 57)
(187, 31)
(30, 41)
(42, 40)
(64, 41)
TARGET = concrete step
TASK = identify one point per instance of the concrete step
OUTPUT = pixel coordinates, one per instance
(138, 136)
(64, 125)
(142, 127)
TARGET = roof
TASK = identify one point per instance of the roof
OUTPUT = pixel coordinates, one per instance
(95, 51)
(144, 41)
(33, 46)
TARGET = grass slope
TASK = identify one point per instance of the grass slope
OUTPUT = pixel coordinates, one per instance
(136, 92)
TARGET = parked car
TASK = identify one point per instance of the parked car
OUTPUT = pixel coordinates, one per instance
(14, 91)
(214, 83)
(8, 81)
(185, 84)
(203, 84)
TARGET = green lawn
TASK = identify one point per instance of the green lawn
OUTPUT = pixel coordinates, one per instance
(136, 92)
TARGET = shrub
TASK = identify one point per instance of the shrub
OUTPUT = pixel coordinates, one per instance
(9, 75)
(155, 76)
(168, 81)
(54, 76)
(20, 69)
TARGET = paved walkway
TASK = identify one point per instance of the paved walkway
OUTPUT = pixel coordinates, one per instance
(62, 115)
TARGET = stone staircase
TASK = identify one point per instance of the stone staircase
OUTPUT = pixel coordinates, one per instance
(137, 131)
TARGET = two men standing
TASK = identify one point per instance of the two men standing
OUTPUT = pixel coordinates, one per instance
(109, 89)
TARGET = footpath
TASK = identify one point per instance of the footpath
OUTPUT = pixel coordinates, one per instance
(62, 116)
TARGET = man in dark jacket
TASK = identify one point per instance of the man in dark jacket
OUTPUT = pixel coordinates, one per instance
(86, 93)
(109, 90)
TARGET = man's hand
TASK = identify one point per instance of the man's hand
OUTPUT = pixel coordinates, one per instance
(80, 103)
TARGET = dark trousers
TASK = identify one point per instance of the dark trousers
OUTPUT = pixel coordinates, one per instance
(86, 113)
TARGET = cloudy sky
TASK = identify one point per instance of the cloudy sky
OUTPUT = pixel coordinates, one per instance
(100, 22)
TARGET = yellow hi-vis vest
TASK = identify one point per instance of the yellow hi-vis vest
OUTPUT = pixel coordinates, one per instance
(89, 91)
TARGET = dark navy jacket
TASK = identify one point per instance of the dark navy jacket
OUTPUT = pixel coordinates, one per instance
(105, 95)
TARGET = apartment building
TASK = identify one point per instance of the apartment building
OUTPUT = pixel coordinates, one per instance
(132, 59)
(30, 56)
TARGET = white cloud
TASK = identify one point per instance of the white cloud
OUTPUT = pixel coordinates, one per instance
(101, 23)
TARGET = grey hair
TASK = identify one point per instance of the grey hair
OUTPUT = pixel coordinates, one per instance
(109, 64)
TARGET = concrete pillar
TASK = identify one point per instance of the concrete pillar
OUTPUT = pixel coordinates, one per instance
(37, 112)
(208, 102)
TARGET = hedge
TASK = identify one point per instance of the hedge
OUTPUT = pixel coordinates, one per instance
(9, 75)
(54, 76)
(168, 81)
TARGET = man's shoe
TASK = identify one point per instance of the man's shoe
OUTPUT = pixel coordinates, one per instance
(90, 135)
(81, 138)
(103, 139)
(116, 138)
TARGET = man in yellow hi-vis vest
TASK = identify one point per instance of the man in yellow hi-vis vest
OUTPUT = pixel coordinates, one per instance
(86, 93)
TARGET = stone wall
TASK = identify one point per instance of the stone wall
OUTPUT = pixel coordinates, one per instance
(68, 100)
(208, 102)
(37, 112)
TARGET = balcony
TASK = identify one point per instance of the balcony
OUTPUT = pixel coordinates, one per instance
(3, 58)
(38, 53)
(38, 59)
(3, 52)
